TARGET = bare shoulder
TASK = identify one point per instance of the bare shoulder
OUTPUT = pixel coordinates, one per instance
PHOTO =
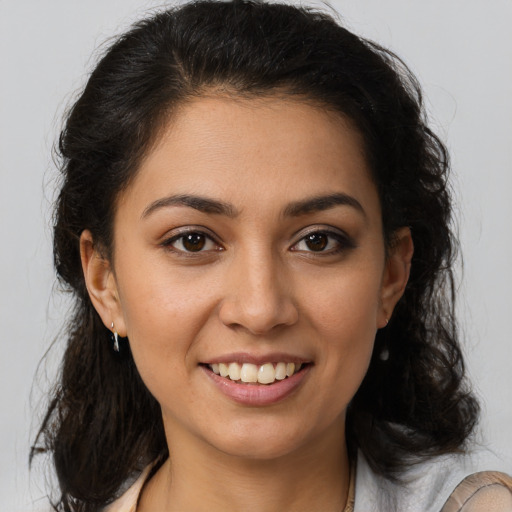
(486, 491)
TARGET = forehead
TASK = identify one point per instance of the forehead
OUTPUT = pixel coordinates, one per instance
(255, 151)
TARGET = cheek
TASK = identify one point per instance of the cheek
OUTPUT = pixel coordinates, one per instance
(344, 317)
(345, 306)
(163, 316)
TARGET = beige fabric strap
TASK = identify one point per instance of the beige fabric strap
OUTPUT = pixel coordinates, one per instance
(128, 501)
(482, 487)
(351, 498)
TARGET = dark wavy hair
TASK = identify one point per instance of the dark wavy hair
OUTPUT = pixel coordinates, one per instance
(102, 426)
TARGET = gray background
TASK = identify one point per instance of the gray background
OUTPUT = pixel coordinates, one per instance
(461, 51)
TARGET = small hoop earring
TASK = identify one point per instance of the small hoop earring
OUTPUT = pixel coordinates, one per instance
(384, 353)
(115, 337)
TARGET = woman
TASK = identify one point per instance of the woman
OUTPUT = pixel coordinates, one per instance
(254, 220)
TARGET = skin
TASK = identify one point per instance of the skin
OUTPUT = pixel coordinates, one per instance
(256, 287)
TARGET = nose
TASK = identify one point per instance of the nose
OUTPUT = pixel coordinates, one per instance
(258, 297)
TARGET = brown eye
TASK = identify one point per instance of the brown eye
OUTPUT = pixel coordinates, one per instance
(194, 242)
(324, 243)
(316, 241)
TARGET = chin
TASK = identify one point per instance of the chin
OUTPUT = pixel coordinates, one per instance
(259, 449)
(260, 440)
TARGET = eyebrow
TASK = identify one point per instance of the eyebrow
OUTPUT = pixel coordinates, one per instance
(203, 204)
(214, 206)
(321, 203)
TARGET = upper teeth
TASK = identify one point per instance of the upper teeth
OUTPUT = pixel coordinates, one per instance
(265, 374)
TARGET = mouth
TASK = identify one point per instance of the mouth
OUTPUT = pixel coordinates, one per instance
(253, 374)
(258, 381)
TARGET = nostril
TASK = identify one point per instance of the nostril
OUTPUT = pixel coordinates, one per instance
(258, 319)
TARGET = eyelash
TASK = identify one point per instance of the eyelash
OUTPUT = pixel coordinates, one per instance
(168, 244)
(342, 241)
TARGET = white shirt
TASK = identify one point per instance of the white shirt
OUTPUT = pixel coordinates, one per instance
(450, 483)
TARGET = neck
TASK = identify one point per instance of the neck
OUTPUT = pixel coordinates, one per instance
(200, 478)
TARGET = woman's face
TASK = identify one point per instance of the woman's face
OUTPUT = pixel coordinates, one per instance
(251, 241)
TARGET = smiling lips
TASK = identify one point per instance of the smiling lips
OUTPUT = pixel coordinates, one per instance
(249, 373)
(257, 384)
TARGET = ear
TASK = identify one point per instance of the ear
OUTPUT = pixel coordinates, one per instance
(101, 284)
(396, 274)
